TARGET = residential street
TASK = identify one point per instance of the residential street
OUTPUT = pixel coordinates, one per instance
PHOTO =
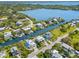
(39, 29)
(69, 47)
(47, 47)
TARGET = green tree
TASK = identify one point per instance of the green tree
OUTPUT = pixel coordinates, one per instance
(47, 54)
(41, 55)
(76, 46)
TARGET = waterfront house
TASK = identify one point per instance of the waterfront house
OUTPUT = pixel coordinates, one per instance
(18, 32)
(47, 35)
(3, 18)
(27, 30)
(39, 25)
(77, 21)
(44, 24)
(55, 54)
(72, 24)
(30, 44)
(55, 19)
(40, 38)
(2, 28)
(27, 18)
(24, 19)
(7, 35)
(50, 22)
(15, 51)
(2, 54)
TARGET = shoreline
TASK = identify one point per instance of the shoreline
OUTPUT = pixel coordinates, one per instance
(15, 40)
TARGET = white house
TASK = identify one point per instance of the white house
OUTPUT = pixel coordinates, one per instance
(44, 24)
(7, 35)
(15, 51)
(55, 19)
(2, 54)
(18, 32)
(26, 28)
(50, 22)
(39, 38)
(55, 54)
(72, 24)
(27, 18)
(2, 28)
(3, 18)
(39, 25)
(30, 44)
(48, 35)
(77, 21)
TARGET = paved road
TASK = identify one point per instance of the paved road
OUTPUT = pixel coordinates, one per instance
(67, 46)
(47, 47)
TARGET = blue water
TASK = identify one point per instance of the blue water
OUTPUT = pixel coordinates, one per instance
(67, 3)
(36, 33)
(44, 14)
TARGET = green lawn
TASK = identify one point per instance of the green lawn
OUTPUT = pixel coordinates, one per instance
(75, 41)
(56, 32)
(21, 47)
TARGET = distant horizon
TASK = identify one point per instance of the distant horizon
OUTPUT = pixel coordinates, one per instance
(68, 3)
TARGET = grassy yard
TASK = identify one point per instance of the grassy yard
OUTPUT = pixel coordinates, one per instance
(56, 32)
(75, 40)
(20, 46)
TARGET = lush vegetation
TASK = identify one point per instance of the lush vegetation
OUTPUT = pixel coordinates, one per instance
(46, 54)
(63, 29)
(21, 47)
(64, 52)
(73, 38)
(11, 12)
(30, 6)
